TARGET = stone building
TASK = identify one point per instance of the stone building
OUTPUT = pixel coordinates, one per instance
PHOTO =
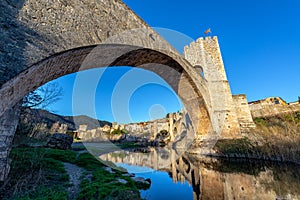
(155, 126)
(58, 128)
(272, 106)
(150, 128)
(269, 101)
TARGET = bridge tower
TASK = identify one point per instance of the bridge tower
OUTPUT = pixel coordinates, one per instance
(205, 55)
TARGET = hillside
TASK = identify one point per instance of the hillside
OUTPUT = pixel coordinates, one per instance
(43, 116)
(275, 138)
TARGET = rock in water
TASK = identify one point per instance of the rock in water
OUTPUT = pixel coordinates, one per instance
(142, 183)
(60, 141)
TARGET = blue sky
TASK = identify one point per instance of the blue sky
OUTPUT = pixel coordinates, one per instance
(121, 94)
(259, 41)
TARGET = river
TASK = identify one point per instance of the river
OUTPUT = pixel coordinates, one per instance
(193, 177)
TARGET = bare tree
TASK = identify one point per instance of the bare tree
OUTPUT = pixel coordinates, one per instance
(43, 96)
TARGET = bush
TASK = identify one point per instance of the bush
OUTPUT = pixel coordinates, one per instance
(260, 121)
(164, 132)
(228, 146)
(119, 132)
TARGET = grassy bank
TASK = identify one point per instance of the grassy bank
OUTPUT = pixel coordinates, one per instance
(274, 138)
(39, 173)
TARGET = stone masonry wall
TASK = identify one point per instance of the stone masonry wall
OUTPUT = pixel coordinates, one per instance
(43, 40)
(8, 125)
(243, 112)
(32, 30)
(259, 110)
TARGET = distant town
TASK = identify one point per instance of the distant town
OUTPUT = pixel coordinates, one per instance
(270, 106)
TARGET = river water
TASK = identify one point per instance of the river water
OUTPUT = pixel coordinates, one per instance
(193, 177)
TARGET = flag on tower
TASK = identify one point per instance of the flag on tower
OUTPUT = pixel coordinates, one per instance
(207, 31)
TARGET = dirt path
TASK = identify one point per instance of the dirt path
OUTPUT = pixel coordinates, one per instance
(74, 173)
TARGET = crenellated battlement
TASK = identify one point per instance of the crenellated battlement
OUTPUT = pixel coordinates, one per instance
(205, 52)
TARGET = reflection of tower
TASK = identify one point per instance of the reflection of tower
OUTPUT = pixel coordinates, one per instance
(171, 126)
(155, 128)
(195, 176)
(183, 170)
(205, 53)
(173, 166)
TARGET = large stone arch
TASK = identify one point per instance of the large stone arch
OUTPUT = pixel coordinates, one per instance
(182, 77)
(38, 37)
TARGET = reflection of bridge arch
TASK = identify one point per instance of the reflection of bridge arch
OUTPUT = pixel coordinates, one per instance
(180, 169)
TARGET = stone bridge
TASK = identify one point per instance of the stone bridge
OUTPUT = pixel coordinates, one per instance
(44, 40)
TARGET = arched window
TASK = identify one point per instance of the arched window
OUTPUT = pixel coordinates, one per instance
(200, 69)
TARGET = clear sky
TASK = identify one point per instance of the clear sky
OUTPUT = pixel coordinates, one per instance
(259, 39)
(260, 45)
(121, 94)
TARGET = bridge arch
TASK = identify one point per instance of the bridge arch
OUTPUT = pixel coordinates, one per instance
(174, 70)
(44, 40)
(41, 48)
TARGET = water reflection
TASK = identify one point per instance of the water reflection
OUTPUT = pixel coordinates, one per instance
(217, 179)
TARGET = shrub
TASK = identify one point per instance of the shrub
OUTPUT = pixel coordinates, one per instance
(119, 132)
(260, 121)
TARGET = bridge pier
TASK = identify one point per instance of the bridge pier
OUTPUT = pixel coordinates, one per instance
(8, 124)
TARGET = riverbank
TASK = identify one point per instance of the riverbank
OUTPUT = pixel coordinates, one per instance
(275, 138)
(43, 173)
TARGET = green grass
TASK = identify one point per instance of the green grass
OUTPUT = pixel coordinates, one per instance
(38, 173)
(260, 121)
(88, 162)
(45, 193)
(293, 117)
(62, 155)
(102, 184)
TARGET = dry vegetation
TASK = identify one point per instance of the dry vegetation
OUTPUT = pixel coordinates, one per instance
(274, 138)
